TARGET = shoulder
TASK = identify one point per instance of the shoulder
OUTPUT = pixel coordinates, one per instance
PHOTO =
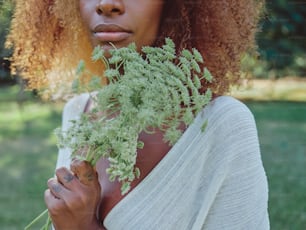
(73, 108)
(227, 106)
(77, 102)
(234, 155)
(230, 126)
(227, 114)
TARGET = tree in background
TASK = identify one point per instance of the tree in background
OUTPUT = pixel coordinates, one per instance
(282, 41)
(5, 16)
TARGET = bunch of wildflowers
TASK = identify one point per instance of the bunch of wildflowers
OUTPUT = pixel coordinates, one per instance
(154, 89)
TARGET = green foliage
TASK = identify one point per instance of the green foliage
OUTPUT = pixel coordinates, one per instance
(155, 89)
(282, 135)
(282, 40)
(6, 7)
(5, 16)
(27, 155)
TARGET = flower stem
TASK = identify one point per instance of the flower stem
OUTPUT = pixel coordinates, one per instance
(36, 219)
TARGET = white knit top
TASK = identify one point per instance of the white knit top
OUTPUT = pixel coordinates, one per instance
(209, 180)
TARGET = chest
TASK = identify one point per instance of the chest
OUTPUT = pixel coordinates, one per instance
(147, 158)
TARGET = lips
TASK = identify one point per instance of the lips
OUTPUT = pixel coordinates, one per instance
(110, 33)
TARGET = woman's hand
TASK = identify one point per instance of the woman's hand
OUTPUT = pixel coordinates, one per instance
(73, 197)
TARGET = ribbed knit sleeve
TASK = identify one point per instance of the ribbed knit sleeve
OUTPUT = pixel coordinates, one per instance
(72, 111)
(241, 201)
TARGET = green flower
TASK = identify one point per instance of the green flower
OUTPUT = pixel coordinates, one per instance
(155, 89)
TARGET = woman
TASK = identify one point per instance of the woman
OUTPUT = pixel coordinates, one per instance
(211, 180)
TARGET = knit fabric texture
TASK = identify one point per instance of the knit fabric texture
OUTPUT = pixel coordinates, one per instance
(212, 179)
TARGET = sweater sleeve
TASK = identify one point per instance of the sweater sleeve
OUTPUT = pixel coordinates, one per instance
(241, 202)
(72, 111)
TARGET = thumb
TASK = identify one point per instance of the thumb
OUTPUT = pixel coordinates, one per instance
(84, 171)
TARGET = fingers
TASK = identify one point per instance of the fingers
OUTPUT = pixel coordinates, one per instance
(84, 172)
(57, 190)
(53, 202)
(66, 177)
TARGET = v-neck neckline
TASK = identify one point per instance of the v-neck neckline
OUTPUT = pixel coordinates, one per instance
(160, 168)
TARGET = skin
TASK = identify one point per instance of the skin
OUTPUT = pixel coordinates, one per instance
(79, 197)
(121, 22)
(73, 197)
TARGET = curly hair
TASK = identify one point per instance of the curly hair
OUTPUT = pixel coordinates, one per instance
(48, 38)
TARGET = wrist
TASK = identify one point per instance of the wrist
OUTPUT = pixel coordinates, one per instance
(97, 225)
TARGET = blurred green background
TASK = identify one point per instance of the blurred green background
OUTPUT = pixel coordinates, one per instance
(276, 96)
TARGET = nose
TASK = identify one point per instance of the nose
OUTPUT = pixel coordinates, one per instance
(110, 7)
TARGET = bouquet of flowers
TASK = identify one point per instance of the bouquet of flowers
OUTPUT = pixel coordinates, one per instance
(153, 89)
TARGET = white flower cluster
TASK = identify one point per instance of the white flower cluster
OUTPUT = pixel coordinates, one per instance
(153, 89)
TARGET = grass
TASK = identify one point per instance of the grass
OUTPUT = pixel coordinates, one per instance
(282, 134)
(28, 154)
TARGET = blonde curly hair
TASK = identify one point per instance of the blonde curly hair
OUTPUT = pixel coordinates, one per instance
(48, 39)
